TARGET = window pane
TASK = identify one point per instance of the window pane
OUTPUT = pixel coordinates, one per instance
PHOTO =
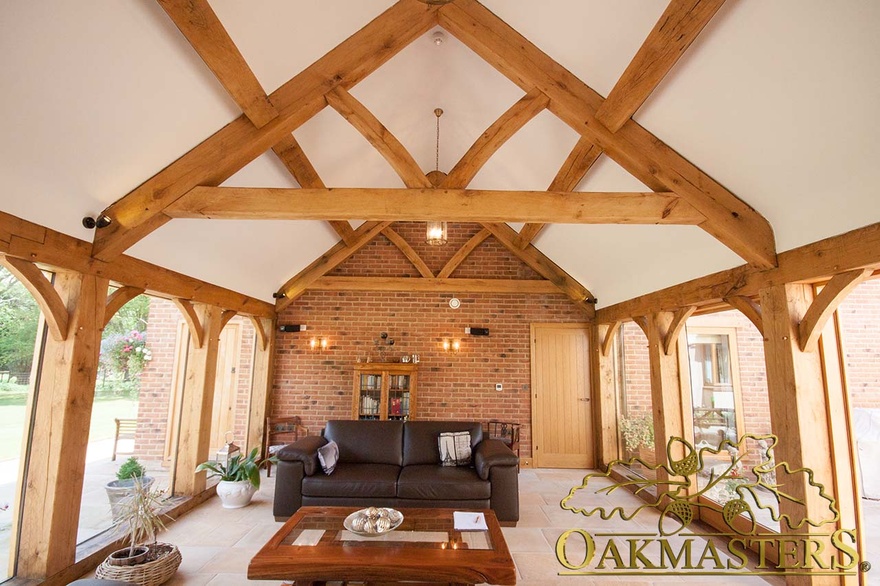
(634, 401)
(19, 324)
(729, 398)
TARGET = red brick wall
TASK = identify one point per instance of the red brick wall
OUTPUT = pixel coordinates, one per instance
(318, 385)
(860, 329)
(156, 379)
(636, 371)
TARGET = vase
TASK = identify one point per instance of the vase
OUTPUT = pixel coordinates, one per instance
(235, 494)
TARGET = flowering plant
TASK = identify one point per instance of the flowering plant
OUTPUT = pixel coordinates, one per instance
(126, 353)
(637, 431)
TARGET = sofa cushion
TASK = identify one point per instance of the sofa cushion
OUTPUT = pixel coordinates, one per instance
(455, 448)
(328, 456)
(367, 442)
(432, 482)
(354, 480)
(420, 439)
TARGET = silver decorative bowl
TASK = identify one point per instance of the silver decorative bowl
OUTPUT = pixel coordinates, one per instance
(373, 521)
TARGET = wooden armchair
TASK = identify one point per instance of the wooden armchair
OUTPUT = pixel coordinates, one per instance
(279, 432)
(507, 433)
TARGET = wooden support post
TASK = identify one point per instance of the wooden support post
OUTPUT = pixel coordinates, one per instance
(798, 408)
(605, 393)
(261, 385)
(198, 401)
(666, 387)
(61, 414)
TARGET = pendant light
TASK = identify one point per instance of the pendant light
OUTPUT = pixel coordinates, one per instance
(436, 234)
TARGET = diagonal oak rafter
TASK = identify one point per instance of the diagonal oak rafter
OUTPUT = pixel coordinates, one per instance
(409, 252)
(463, 253)
(206, 34)
(730, 219)
(238, 143)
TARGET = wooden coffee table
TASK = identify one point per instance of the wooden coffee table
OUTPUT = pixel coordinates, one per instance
(313, 546)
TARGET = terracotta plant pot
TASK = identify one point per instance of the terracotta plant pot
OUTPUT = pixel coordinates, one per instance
(235, 494)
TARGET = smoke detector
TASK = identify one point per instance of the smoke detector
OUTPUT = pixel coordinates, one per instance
(438, 37)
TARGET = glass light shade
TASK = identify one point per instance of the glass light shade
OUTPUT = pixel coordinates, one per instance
(436, 233)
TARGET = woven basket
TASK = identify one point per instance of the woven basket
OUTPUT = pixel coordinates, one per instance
(150, 573)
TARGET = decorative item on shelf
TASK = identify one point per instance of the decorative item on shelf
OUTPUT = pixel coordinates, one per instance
(451, 345)
(239, 479)
(415, 358)
(144, 561)
(406, 358)
(436, 231)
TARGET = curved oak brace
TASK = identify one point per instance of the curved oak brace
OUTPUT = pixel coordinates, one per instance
(749, 308)
(117, 299)
(380, 137)
(608, 337)
(463, 253)
(226, 316)
(488, 143)
(44, 293)
(824, 305)
(192, 321)
(642, 322)
(678, 320)
(408, 251)
(262, 335)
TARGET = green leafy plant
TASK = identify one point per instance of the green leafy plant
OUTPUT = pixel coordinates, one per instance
(139, 518)
(131, 468)
(239, 468)
(637, 431)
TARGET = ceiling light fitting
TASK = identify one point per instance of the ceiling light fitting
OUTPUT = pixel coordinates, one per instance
(436, 232)
(438, 38)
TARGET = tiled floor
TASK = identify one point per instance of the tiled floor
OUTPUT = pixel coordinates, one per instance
(217, 544)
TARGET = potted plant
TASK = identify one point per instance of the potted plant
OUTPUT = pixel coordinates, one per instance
(638, 436)
(143, 560)
(130, 472)
(239, 479)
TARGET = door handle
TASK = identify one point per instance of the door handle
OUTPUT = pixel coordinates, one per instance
(584, 399)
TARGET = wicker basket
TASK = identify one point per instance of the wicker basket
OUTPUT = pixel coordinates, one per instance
(151, 573)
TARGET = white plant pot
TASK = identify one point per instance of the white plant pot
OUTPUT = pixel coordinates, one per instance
(235, 495)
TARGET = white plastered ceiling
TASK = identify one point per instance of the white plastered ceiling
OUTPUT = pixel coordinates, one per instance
(777, 100)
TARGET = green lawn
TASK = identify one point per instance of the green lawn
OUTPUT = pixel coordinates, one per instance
(103, 413)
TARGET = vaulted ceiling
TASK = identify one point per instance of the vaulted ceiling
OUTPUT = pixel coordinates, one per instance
(762, 131)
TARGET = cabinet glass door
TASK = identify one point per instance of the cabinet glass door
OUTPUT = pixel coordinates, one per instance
(370, 396)
(398, 397)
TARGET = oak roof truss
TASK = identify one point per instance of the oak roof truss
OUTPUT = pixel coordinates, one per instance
(681, 193)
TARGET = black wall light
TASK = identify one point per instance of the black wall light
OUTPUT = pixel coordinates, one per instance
(293, 328)
(474, 331)
(101, 221)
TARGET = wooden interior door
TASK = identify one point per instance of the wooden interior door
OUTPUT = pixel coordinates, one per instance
(562, 421)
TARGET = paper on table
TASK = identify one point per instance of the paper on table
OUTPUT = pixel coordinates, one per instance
(469, 521)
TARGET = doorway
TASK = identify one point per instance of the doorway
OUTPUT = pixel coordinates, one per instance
(562, 428)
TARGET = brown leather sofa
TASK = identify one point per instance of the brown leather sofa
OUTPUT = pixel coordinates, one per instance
(397, 464)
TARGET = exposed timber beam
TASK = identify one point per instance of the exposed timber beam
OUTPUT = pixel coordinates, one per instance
(380, 137)
(677, 28)
(824, 304)
(578, 163)
(729, 219)
(299, 165)
(508, 124)
(44, 293)
(521, 286)
(238, 143)
(606, 338)
(191, 317)
(204, 31)
(325, 263)
(749, 308)
(408, 251)
(117, 299)
(678, 320)
(463, 253)
(26, 240)
(812, 263)
(544, 267)
(461, 205)
(263, 336)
